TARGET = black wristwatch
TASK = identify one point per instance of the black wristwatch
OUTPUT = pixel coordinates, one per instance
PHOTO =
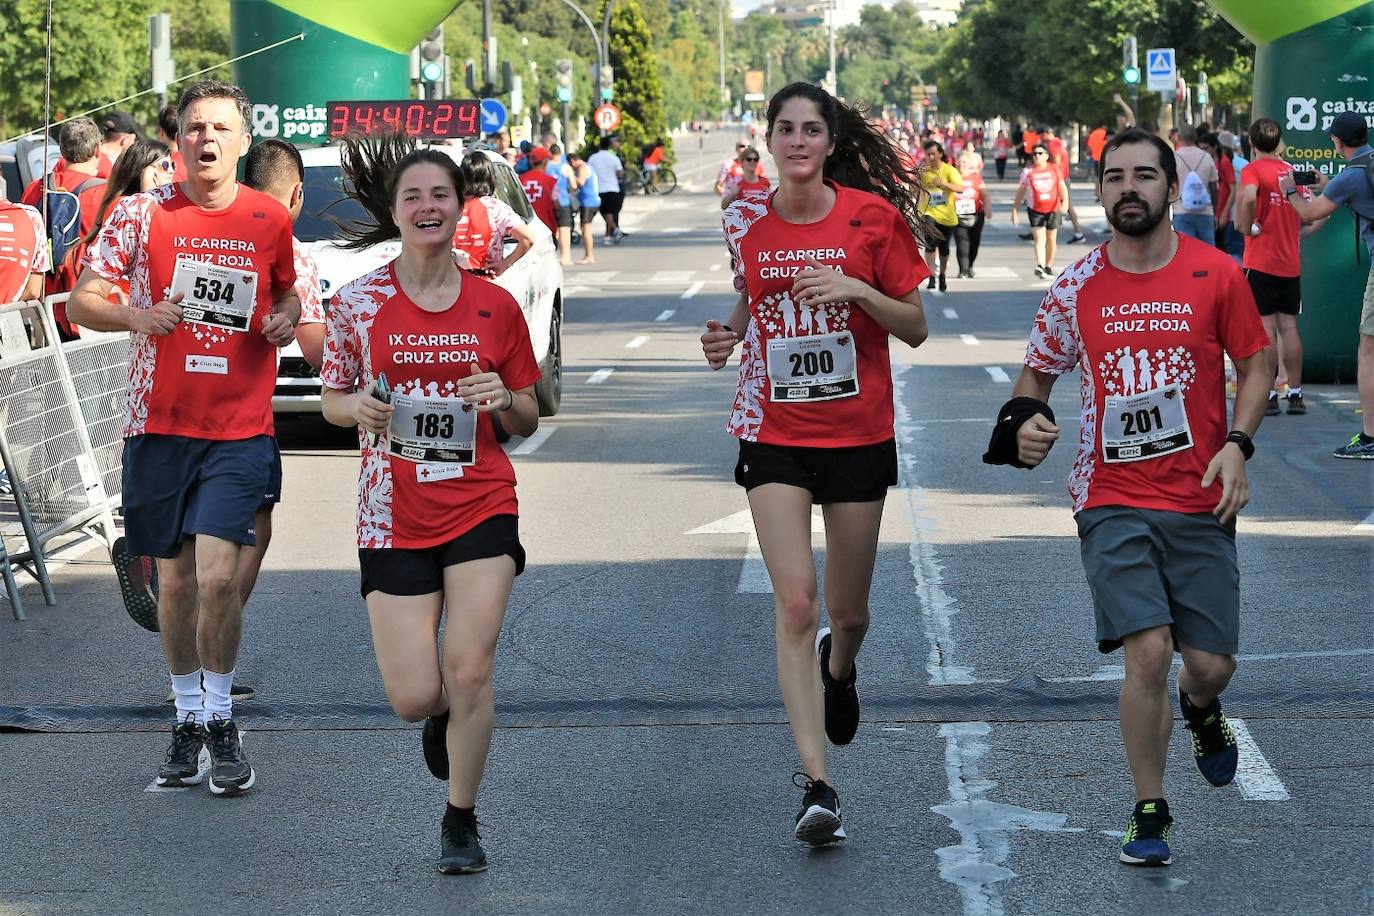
(1247, 445)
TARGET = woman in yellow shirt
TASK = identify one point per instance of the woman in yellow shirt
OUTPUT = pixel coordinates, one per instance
(942, 183)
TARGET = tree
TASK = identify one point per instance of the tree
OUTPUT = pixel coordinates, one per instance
(639, 92)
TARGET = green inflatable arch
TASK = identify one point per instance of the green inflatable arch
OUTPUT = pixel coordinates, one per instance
(352, 49)
(1315, 59)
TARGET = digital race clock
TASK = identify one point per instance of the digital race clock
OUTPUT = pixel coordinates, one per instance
(430, 119)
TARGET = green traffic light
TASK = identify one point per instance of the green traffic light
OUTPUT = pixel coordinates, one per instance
(432, 71)
(1131, 75)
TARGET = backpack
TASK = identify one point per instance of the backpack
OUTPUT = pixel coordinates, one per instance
(61, 211)
(1366, 163)
(1193, 194)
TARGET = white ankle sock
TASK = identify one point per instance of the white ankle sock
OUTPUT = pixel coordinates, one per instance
(1293, 391)
(217, 691)
(189, 699)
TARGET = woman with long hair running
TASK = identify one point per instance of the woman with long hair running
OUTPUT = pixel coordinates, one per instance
(421, 356)
(485, 223)
(827, 269)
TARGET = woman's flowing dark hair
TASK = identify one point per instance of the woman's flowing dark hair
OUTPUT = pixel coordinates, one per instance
(479, 176)
(864, 157)
(126, 177)
(372, 167)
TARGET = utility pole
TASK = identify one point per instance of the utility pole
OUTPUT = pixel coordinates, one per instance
(721, 10)
(831, 79)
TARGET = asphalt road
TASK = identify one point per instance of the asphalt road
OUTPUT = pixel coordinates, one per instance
(642, 762)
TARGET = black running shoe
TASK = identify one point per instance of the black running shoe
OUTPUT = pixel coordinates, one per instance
(230, 771)
(1146, 841)
(181, 764)
(434, 743)
(1296, 404)
(943, 284)
(841, 697)
(818, 821)
(460, 853)
(137, 584)
(1271, 409)
(1214, 743)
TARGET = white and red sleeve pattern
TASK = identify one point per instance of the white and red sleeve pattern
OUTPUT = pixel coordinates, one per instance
(348, 365)
(42, 259)
(746, 417)
(503, 221)
(307, 285)
(1056, 347)
(120, 252)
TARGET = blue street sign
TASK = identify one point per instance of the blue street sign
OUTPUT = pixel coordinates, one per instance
(493, 116)
(1160, 69)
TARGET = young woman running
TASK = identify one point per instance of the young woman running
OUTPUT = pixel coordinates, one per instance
(437, 528)
(485, 223)
(826, 269)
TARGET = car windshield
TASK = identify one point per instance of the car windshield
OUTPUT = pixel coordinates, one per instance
(326, 201)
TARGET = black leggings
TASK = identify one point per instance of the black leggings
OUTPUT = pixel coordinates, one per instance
(1001, 169)
(966, 242)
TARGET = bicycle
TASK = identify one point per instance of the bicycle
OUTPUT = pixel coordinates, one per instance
(634, 182)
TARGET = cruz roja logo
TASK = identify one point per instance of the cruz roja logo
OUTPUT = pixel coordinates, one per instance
(1302, 113)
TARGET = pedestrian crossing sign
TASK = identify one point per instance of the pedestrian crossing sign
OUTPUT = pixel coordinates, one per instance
(1161, 69)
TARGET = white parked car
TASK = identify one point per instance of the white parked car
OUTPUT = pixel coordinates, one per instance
(536, 280)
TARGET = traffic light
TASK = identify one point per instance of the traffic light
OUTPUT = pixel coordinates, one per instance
(432, 62)
(606, 77)
(1202, 88)
(563, 76)
(1130, 62)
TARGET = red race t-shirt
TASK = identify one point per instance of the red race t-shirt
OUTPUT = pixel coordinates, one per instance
(374, 327)
(204, 381)
(1275, 249)
(1149, 349)
(1043, 183)
(1061, 157)
(23, 248)
(817, 375)
(539, 188)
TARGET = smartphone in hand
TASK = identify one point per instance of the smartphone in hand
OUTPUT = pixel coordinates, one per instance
(382, 392)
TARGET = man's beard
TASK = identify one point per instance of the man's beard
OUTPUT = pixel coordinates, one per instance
(1136, 223)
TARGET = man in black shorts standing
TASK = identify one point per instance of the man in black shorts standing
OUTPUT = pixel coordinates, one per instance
(1147, 319)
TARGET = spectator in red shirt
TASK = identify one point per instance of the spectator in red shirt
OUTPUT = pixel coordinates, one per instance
(1059, 154)
(539, 187)
(167, 133)
(79, 141)
(120, 130)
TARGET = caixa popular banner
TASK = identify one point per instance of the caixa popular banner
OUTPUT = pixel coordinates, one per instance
(1314, 60)
(352, 49)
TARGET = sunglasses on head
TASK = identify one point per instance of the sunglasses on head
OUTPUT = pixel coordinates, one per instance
(1040, 152)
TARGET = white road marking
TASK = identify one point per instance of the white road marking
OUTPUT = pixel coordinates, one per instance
(637, 342)
(675, 230)
(998, 373)
(1254, 777)
(714, 268)
(951, 314)
(1366, 526)
(666, 314)
(672, 277)
(594, 277)
(531, 445)
(1330, 653)
(599, 376)
(693, 289)
(579, 290)
(753, 573)
(969, 340)
(977, 865)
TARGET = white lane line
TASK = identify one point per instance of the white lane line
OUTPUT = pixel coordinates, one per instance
(599, 376)
(1255, 778)
(675, 230)
(1366, 526)
(637, 342)
(951, 314)
(594, 277)
(969, 340)
(666, 314)
(976, 866)
(714, 268)
(693, 289)
(753, 574)
(531, 445)
(998, 373)
(671, 277)
(1330, 653)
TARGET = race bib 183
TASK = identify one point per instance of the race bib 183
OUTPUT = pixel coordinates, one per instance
(434, 430)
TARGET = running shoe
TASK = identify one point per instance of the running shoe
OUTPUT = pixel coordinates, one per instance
(230, 771)
(1078, 237)
(460, 853)
(818, 821)
(930, 284)
(841, 697)
(943, 284)
(181, 765)
(1041, 272)
(137, 584)
(434, 744)
(1214, 743)
(1357, 447)
(1272, 408)
(1025, 236)
(1296, 404)
(1146, 841)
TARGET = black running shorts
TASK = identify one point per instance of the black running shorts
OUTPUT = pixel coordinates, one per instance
(420, 571)
(1273, 294)
(1051, 220)
(855, 474)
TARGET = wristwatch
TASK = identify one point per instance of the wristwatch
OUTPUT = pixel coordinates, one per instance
(1247, 445)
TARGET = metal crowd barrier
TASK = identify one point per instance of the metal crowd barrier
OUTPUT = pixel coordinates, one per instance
(59, 433)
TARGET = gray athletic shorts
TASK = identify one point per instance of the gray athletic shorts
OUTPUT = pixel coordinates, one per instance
(1151, 568)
